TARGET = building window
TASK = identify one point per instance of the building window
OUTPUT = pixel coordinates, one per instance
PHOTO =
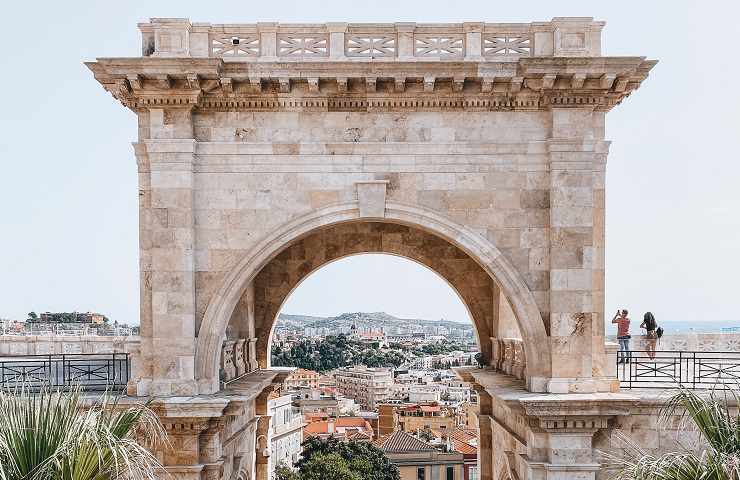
(450, 473)
(473, 473)
(420, 473)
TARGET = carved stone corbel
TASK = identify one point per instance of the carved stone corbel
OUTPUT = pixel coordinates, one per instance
(458, 83)
(313, 85)
(620, 85)
(429, 84)
(577, 80)
(342, 84)
(548, 81)
(515, 85)
(227, 85)
(192, 81)
(607, 80)
(284, 85)
(370, 84)
(136, 81)
(255, 84)
(486, 85)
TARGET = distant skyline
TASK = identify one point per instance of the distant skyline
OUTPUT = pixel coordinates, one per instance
(376, 283)
(69, 194)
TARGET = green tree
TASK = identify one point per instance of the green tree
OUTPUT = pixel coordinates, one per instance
(55, 436)
(284, 472)
(362, 458)
(327, 466)
(32, 317)
(718, 424)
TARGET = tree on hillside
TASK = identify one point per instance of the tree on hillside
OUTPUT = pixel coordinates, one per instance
(362, 458)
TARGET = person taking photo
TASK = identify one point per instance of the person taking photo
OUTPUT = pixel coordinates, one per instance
(623, 335)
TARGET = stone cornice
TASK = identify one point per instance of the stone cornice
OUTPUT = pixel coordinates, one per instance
(528, 84)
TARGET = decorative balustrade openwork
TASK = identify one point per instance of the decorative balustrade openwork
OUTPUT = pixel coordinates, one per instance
(669, 369)
(563, 36)
(508, 357)
(95, 372)
(235, 359)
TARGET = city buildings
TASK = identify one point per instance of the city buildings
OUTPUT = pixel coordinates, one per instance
(302, 378)
(285, 433)
(367, 386)
(344, 428)
(418, 460)
(416, 417)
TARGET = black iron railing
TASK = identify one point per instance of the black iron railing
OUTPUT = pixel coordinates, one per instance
(89, 371)
(669, 369)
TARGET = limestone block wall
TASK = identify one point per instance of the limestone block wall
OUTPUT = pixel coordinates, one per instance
(270, 167)
(495, 143)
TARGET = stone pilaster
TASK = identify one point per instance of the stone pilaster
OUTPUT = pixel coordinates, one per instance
(573, 315)
(165, 156)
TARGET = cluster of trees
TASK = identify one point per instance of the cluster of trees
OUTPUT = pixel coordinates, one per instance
(335, 352)
(333, 459)
(438, 349)
(445, 365)
(61, 317)
(341, 351)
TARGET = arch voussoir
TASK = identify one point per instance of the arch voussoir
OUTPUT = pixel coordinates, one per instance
(470, 263)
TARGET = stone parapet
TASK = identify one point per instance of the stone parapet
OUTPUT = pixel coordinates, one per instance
(689, 342)
(377, 42)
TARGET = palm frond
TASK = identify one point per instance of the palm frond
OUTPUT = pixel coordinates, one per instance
(717, 458)
(55, 435)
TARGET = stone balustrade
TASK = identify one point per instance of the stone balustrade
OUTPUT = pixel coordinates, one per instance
(508, 356)
(473, 41)
(689, 342)
(235, 359)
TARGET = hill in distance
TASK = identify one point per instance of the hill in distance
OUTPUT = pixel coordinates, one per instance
(364, 320)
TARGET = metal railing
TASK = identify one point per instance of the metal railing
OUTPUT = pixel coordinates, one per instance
(670, 369)
(94, 372)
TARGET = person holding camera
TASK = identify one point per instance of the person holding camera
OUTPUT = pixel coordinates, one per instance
(651, 332)
(623, 335)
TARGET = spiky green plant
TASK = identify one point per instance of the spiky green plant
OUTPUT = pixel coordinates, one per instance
(716, 457)
(59, 436)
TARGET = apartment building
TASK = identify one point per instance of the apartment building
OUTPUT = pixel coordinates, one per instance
(286, 433)
(302, 378)
(368, 386)
(418, 460)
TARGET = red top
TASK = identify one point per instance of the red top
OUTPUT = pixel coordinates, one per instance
(623, 326)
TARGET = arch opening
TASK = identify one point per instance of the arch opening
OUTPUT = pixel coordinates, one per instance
(427, 293)
(252, 294)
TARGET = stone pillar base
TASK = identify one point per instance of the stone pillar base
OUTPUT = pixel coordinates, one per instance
(147, 387)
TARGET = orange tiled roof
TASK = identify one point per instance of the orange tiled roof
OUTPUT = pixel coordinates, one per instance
(463, 447)
(402, 442)
(463, 435)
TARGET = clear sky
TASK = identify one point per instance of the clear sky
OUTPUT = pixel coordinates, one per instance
(68, 191)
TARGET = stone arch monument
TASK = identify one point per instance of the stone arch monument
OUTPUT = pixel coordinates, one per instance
(266, 150)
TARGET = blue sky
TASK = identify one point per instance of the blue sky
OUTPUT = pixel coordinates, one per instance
(68, 192)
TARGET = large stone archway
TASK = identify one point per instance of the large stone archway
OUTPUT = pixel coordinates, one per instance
(340, 230)
(484, 141)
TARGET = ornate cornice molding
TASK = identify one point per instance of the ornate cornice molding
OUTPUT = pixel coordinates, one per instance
(526, 84)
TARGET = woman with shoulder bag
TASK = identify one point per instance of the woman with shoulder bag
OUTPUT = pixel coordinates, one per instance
(651, 327)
